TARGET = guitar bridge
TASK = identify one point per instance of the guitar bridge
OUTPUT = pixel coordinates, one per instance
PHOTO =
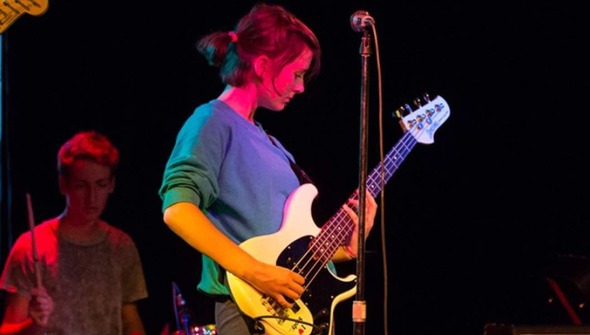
(276, 310)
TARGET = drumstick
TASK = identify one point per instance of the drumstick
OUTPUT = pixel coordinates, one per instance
(32, 228)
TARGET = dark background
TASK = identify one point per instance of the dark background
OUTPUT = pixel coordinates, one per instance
(471, 221)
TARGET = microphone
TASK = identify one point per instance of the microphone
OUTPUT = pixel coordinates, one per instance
(360, 20)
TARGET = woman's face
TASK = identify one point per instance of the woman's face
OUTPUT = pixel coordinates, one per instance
(279, 89)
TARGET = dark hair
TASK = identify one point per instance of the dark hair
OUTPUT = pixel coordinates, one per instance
(268, 30)
(89, 145)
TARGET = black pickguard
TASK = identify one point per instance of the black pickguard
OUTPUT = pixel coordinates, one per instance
(321, 289)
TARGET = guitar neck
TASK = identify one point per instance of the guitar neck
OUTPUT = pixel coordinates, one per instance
(391, 162)
(420, 127)
(337, 230)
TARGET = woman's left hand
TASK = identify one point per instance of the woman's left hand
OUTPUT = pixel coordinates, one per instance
(370, 213)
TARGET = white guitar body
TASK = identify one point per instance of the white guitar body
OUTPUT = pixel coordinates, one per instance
(297, 224)
(302, 247)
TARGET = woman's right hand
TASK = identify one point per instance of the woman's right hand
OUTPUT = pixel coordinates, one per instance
(279, 283)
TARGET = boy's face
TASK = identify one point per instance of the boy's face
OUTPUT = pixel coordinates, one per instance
(87, 189)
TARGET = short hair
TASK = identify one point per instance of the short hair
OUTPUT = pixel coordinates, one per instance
(89, 145)
(269, 30)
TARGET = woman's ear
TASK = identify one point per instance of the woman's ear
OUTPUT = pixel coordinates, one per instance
(261, 65)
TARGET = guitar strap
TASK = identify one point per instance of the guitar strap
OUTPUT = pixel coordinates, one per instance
(301, 175)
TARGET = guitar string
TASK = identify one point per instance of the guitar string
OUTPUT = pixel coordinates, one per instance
(331, 237)
(408, 142)
(391, 163)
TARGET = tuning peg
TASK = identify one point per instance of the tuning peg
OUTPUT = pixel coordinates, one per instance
(426, 98)
(399, 113)
(417, 103)
(407, 108)
(403, 110)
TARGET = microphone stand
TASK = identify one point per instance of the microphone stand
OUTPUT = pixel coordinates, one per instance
(359, 305)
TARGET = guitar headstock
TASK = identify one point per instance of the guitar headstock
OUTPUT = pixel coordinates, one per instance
(10, 10)
(424, 121)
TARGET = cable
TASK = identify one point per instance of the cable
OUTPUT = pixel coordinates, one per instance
(174, 307)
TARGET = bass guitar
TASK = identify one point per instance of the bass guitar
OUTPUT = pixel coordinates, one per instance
(300, 245)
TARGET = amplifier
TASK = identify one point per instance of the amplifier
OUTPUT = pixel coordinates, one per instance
(502, 329)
